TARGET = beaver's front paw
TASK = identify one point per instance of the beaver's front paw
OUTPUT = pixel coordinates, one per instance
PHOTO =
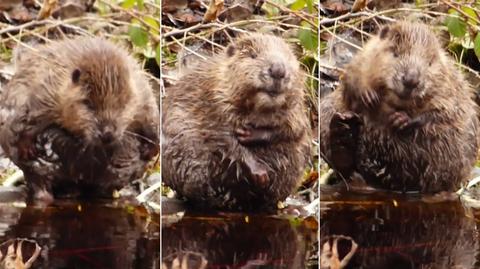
(345, 126)
(360, 99)
(401, 122)
(344, 132)
(258, 172)
(249, 136)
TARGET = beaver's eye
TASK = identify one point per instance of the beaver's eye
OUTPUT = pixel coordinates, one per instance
(249, 53)
(88, 103)
(395, 54)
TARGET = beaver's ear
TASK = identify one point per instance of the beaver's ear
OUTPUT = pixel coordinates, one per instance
(76, 76)
(384, 32)
(231, 50)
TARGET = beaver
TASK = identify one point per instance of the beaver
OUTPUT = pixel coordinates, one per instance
(403, 117)
(235, 134)
(77, 116)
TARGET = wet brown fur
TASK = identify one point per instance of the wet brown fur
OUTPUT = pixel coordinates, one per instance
(439, 154)
(79, 89)
(201, 157)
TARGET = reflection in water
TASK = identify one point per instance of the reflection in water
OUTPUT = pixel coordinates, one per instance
(400, 233)
(90, 236)
(235, 241)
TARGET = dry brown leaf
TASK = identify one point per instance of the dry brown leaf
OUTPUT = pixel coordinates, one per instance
(19, 14)
(335, 6)
(310, 179)
(214, 9)
(359, 5)
(325, 36)
(383, 4)
(47, 9)
(311, 223)
(70, 10)
(171, 6)
(189, 18)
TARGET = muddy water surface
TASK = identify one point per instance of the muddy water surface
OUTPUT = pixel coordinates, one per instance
(228, 240)
(89, 235)
(401, 231)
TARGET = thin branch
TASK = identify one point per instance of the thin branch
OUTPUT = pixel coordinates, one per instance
(137, 16)
(284, 9)
(189, 29)
(17, 28)
(459, 10)
(354, 15)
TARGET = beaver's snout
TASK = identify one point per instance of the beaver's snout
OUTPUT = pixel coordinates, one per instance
(278, 75)
(107, 134)
(277, 70)
(410, 80)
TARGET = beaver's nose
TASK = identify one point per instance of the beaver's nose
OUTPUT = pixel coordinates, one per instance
(107, 138)
(411, 80)
(107, 135)
(277, 70)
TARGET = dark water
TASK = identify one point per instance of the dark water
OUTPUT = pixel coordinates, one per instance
(237, 241)
(398, 231)
(85, 235)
